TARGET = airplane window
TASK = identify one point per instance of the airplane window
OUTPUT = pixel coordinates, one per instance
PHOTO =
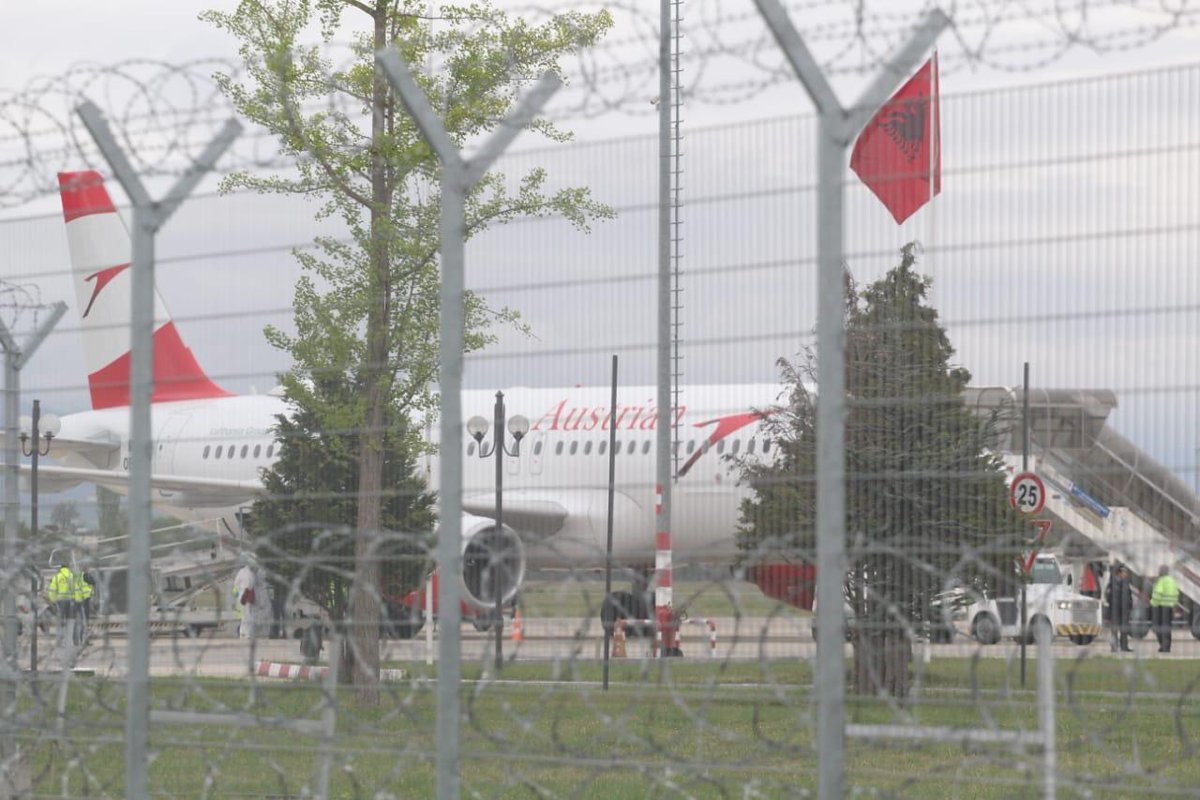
(257, 450)
(574, 447)
(603, 446)
(750, 445)
(245, 450)
(587, 447)
(737, 445)
(646, 447)
(632, 447)
(207, 447)
(766, 445)
(232, 451)
(705, 445)
(218, 454)
(270, 450)
(558, 449)
(471, 447)
(537, 448)
(721, 446)
(691, 446)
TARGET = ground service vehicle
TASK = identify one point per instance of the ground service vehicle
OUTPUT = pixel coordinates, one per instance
(1050, 602)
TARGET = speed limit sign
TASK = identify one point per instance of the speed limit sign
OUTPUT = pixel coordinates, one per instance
(1027, 493)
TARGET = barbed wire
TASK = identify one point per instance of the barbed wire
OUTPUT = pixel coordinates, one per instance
(733, 717)
(165, 112)
(21, 306)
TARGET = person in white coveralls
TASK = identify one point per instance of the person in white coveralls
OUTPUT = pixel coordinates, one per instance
(249, 594)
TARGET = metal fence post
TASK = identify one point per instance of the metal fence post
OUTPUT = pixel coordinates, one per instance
(838, 126)
(148, 217)
(16, 355)
(458, 176)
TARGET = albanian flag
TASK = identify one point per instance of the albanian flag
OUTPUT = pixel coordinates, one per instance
(893, 153)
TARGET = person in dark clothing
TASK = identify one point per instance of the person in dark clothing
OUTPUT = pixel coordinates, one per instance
(1120, 608)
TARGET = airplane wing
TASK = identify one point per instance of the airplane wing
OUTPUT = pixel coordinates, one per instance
(235, 490)
(530, 512)
(95, 450)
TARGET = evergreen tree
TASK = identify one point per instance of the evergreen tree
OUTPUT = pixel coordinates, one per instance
(926, 502)
(306, 522)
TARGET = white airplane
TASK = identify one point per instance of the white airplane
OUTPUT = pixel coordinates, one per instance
(211, 445)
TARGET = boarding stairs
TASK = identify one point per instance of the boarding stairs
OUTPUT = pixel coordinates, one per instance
(1121, 532)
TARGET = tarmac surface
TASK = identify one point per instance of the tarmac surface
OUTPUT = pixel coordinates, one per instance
(220, 654)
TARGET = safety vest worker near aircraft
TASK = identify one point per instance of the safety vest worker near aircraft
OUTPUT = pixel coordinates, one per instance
(81, 593)
(61, 592)
(1162, 607)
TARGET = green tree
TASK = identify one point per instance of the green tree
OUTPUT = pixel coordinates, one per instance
(926, 502)
(366, 309)
(308, 514)
(113, 521)
(65, 516)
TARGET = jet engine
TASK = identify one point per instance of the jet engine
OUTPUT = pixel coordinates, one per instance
(490, 555)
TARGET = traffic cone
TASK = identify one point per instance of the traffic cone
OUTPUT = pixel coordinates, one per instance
(618, 640)
(1088, 584)
(516, 626)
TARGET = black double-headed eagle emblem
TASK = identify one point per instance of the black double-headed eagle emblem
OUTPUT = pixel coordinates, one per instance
(905, 124)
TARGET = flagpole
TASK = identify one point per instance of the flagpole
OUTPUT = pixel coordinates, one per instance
(934, 165)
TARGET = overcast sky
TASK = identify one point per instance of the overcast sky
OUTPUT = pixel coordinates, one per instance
(1029, 259)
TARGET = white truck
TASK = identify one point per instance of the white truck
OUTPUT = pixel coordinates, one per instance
(1049, 601)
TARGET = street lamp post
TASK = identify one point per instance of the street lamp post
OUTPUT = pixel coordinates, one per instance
(34, 430)
(518, 426)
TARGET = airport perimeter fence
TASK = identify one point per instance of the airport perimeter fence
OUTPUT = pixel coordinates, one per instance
(1066, 237)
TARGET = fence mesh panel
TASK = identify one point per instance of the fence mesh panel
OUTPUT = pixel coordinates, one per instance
(1063, 238)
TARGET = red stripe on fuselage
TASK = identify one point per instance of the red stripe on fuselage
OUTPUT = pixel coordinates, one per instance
(177, 375)
(83, 193)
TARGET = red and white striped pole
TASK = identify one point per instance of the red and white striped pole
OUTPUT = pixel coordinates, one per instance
(662, 574)
(712, 633)
(662, 556)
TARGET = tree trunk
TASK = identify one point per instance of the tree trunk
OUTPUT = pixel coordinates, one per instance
(365, 606)
(881, 661)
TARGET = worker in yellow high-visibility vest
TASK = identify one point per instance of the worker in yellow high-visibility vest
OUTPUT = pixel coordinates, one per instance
(1162, 607)
(61, 592)
(81, 593)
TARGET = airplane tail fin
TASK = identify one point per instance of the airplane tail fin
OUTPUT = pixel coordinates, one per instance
(100, 259)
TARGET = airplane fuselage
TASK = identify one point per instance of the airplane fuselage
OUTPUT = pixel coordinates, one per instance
(562, 461)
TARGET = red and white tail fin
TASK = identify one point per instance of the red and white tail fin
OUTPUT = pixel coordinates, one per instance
(100, 258)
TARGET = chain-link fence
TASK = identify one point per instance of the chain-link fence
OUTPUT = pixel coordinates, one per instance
(293, 649)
